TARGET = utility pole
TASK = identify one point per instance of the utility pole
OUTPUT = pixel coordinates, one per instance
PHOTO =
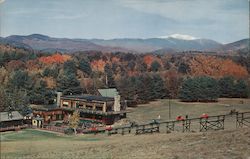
(169, 109)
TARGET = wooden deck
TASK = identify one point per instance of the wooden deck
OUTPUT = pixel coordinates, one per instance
(14, 128)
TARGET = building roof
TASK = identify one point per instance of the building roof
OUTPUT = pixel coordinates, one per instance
(4, 116)
(38, 118)
(110, 92)
(88, 97)
(96, 111)
(43, 107)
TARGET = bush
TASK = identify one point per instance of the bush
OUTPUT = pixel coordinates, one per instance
(69, 131)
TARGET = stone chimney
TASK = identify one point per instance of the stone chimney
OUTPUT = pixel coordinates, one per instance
(58, 99)
(117, 104)
(10, 115)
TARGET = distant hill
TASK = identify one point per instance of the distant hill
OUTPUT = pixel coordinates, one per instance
(157, 45)
(48, 44)
(238, 47)
(153, 44)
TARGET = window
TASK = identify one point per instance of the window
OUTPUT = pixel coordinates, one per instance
(89, 106)
(65, 104)
(99, 108)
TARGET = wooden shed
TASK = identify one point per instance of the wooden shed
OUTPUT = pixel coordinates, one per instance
(11, 120)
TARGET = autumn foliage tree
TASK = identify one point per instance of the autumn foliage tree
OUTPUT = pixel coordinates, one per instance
(74, 121)
(56, 58)
(202, 65)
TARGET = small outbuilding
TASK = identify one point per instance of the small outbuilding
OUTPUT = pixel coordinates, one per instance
(37, 122)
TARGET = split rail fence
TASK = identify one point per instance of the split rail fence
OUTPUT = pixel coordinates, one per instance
(184, 125)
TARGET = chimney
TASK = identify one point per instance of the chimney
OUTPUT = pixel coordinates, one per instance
(58, 99)
(117, 104)
(10, 115)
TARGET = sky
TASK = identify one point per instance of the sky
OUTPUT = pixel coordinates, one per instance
(221, 20)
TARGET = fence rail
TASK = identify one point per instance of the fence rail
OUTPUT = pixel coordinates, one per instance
(216, 122)
(53, 128)
(243, 119)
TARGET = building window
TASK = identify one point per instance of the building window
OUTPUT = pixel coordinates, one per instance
(99, 108)
(58, 117)
(89, 106)
(65, 104)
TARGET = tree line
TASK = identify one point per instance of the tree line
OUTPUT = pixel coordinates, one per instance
(35, 78)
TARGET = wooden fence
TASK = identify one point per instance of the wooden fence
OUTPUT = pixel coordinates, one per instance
(243, 119)
(53, 128)
(205, 124)
(212, 123)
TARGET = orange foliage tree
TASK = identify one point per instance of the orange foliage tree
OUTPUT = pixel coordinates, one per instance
(56, 58)
(202, 65)
(149, 59)
(98, 65)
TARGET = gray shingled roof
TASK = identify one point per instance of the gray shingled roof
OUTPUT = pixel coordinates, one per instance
(15, 116)
(110, 92)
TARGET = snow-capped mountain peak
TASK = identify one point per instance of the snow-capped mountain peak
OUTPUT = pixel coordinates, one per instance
(179, 36)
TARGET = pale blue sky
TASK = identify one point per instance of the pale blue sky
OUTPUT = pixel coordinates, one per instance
(221, 20)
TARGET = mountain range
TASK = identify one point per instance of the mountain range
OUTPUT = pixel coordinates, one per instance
(163, 44)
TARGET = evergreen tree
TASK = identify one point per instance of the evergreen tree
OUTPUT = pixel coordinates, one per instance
(159, 88)
(68, 84)
(183, 68)
(50, 72)
(201, 89)
(109, 76)
(226, 85)
(69, 67)
(155, 66)
(40, 94)
(20, 79)
(85, 67)
(240, 89)
(4, 100)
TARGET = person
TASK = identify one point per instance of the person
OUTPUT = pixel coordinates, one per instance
(179, 118)
(204, 116)
(159, 116)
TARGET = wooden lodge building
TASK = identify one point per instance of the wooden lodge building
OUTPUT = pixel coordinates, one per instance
(11, 120)
(100, 109)
(104, 108)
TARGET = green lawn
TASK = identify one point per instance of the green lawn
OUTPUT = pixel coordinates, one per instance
(28, 134)
(39, 135)
(29, 142)
(152, 110)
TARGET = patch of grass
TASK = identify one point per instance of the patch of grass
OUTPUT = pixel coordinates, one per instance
(37, 135)
(152, 110)
(28, 134)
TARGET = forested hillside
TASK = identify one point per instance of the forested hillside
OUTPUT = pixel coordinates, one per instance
(32, 77)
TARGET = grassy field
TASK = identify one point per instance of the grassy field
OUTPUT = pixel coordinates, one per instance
(229, 143)
(152, 110)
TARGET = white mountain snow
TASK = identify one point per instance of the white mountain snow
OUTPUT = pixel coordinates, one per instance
(179, 36)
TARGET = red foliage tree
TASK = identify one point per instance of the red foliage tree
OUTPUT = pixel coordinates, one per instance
(56, 58)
